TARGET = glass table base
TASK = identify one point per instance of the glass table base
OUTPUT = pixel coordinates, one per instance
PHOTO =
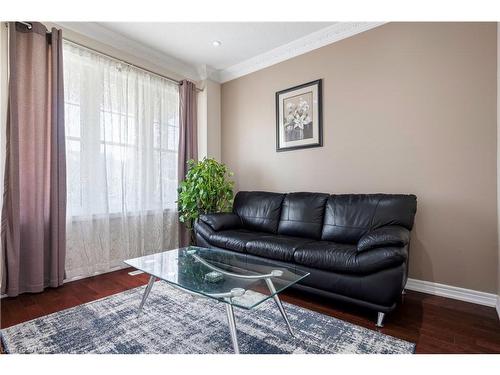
(229, 307)
(235, 279)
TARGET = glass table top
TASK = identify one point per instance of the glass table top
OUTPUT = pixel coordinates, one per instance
(219, 274)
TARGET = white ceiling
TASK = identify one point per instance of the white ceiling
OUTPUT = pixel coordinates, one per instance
(186, 48)
(192, 42)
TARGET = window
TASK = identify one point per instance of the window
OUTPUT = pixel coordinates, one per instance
(121, 136)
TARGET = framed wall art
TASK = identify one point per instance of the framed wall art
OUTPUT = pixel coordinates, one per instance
(299, 117)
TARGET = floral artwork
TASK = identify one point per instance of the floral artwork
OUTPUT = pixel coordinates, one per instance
(298, 120)
(298, 117)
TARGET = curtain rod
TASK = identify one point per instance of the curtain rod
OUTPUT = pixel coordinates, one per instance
(127, 63)
(177, 82)
(27, 24)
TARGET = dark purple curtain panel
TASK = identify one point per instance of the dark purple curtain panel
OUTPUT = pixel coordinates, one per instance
(188, 140)
(34, 208)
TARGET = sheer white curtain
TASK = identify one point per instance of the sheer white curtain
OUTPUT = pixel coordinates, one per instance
(121, 142)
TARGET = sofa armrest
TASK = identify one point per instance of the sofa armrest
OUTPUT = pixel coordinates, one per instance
(203, 229)
(391, 235)
(221, 221)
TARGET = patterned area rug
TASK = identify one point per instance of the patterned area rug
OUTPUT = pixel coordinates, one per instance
(176, 322)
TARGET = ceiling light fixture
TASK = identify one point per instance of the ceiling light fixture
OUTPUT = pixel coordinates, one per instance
(216, 43)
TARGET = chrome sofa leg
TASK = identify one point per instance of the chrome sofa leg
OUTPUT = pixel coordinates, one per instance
(380, 319)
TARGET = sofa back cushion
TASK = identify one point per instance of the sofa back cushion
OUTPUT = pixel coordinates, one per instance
(302, 215)
(258, 210)
(395, 209)
(349, 216)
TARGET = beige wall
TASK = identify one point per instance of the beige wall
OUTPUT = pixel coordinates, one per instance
(408, 108)
(213, 120)
(209, 128)
(202, 118)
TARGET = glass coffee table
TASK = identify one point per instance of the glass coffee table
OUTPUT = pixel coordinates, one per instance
(228, 277)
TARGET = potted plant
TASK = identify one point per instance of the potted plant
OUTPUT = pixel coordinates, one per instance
(207, 188)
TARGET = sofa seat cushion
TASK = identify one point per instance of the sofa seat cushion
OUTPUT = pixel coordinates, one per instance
(276, 247)
(236, 239)
(345, 258)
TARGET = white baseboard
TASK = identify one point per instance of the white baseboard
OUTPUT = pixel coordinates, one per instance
(454, 292)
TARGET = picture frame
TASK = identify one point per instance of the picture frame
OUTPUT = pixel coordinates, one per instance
(299, 117)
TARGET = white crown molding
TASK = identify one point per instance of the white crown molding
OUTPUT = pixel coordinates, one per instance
(323, 37)
(320, 38)
(106, 36)
(207, 72)
(454, 292)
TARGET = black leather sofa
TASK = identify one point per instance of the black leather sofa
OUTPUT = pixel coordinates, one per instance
(355, 246)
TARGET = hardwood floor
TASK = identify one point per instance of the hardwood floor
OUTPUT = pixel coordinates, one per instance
(435, 324)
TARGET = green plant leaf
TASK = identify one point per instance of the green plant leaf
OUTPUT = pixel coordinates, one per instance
(207, 188)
